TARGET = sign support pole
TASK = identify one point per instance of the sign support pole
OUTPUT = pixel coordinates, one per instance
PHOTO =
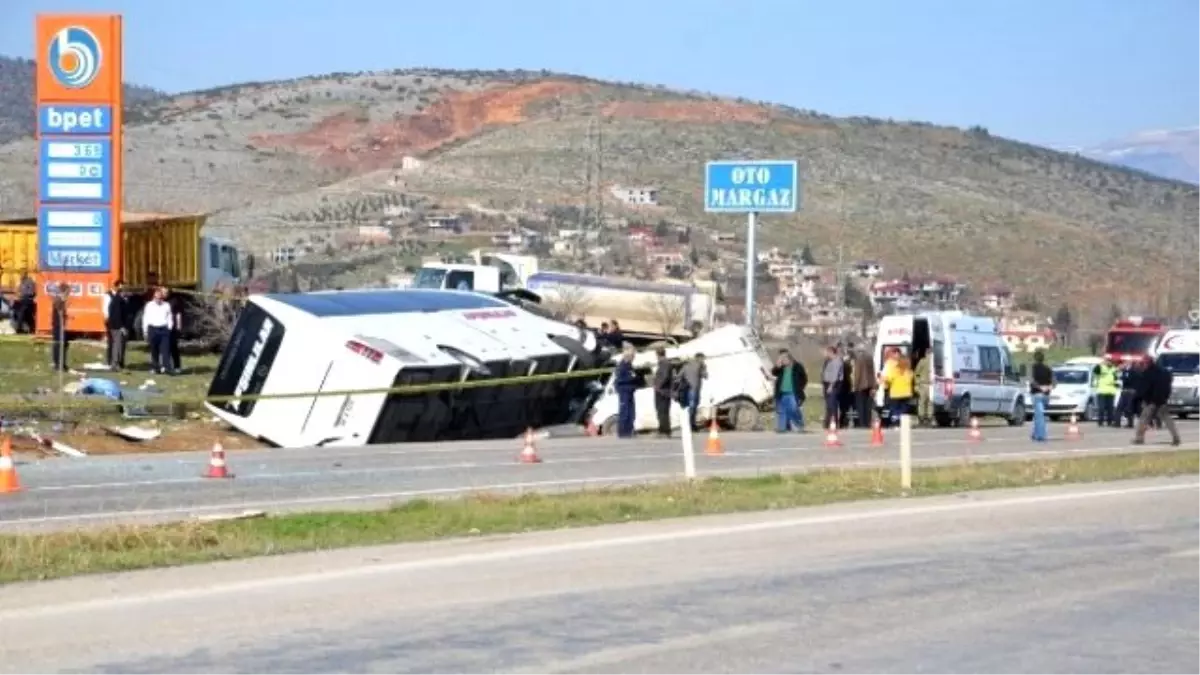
(751, 264)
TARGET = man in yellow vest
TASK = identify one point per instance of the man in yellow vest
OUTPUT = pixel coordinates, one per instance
(1108, 386)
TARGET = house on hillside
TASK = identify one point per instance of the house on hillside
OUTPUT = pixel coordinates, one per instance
(636, 196)
(998, 299)
(1027, 331)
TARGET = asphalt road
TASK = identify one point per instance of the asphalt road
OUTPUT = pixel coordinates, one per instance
(62, 493)
(1098, 578)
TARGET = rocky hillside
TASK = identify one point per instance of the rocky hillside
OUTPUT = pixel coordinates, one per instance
(17, 115)
(292, 161)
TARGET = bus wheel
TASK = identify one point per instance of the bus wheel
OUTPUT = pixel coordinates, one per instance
(742, 415)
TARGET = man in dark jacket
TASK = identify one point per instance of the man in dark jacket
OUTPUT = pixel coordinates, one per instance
(58, 328)
(626, 384)
(116, 323)
(663, 377)
(790, 382)
(1128, 377)
(863, 375)
(1154, 391)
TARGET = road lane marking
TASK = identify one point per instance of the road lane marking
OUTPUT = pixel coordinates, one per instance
(573, 547)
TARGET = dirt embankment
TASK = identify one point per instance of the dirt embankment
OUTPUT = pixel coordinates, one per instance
(350, 140)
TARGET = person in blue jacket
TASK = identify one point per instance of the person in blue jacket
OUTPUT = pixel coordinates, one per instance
(626, 384)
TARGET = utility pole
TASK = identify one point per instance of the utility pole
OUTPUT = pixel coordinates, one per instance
(600, 172)
(841, 282)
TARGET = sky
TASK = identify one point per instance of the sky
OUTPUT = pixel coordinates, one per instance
(1053, 72)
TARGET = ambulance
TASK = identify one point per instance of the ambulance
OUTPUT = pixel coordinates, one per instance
(1179, 352)
(972, 374)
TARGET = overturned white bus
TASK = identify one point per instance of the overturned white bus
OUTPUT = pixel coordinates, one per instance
(300, 345)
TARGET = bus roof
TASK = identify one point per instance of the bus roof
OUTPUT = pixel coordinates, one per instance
(368, 302)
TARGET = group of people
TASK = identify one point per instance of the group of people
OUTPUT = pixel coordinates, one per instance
(162, 324)
(1137, 391)
(671, 384)
(849, 383)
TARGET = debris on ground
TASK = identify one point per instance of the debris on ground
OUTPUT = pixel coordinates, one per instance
(134, 433)
(57, 446)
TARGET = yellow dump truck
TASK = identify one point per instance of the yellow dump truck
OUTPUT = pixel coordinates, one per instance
(157, 249)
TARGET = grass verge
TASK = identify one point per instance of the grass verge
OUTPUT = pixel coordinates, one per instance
(44, 556)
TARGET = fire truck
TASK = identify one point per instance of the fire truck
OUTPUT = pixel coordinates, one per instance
(1133, 338)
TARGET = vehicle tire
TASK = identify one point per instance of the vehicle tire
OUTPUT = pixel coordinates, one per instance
(1089, 411)
(1183, 416)
(943, 419)
(962, 416)
(742, 415)
(609, 428)
(1053, 418)
(1017, 418)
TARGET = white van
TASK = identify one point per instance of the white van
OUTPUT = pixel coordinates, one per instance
(972, 374)
(1179, 352)
(736, 390)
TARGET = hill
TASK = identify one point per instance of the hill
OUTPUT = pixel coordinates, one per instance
(291, 162)
(17, 116)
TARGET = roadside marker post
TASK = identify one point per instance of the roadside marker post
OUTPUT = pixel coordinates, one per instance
(689, 449)
(906, 452)
(751, 187)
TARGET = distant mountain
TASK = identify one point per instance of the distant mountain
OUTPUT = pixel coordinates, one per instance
(1173, 153)
(17, 116)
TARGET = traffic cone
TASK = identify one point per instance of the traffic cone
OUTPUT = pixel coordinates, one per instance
(216, 463)
(975, 434)
(713, 446)
(529, 453)
(831, 436)
(1073, 432)
(877, 433)
(8, 470)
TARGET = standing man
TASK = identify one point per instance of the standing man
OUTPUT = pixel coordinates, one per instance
(662, 392)
(625, 384)
(790, 382)
(1041, 381)
(1107, 389)
(694, 373)
(157, 319)
(1127, 404)
(1155, 392)
(176, 334)
(25, 309)
(846, 389)
(831, 383)
(58, 328)
(923, 373)
(863, 375)
(116, 323)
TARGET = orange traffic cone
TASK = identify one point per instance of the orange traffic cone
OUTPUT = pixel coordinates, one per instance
(8, 470)
(831, 436)
(529, 453)
(713, 446)
(1073, 432)
(216, 463)
(877, 433)
(974, 434)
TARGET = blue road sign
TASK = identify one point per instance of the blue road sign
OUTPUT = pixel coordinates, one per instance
(750, 186)
(74, 239)
(75, 170)
(85, 120)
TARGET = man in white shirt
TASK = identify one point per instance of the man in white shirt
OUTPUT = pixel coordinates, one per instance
(157, 321)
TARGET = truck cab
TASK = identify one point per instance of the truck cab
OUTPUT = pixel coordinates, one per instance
(220, 264)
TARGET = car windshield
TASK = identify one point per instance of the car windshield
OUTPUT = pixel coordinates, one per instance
(1070, 376)
(429, 277)
(1122, 342)
(1180, 364)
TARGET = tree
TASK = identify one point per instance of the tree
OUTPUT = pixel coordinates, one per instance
(668, 312)
(806, 256)
(572, 302)
(1064, 324)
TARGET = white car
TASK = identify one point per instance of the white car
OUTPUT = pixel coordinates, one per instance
(1074, 392)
